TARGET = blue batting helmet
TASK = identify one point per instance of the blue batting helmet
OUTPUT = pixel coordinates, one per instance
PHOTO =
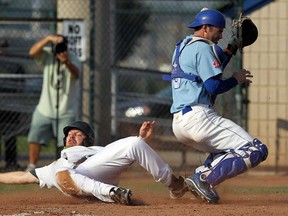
(208, 17)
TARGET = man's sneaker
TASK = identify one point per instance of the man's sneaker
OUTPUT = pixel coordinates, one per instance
(177, 187)
(121, 195)
(202, 188)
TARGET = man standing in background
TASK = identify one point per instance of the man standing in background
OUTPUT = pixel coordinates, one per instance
(57, 106)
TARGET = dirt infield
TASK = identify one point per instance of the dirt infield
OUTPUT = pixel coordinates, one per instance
(248, 194)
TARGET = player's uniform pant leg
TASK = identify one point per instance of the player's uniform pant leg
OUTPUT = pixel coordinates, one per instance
(107, 165)
(141, 152)
(73, 183)
(60, 174)
(205, 130)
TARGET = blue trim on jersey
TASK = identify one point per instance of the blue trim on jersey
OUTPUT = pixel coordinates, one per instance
(177, 72)
(216, 86)
(196, 58)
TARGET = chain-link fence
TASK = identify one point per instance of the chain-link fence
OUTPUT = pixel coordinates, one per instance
(128, 47)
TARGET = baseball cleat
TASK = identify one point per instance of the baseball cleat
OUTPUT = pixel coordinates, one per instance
(178, 189)
(202, 188)
(121, 195)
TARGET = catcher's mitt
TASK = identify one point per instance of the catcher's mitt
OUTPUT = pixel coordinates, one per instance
(244, 33)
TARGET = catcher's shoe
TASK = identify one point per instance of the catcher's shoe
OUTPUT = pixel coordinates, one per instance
(121, 195)
(202, 188)
(177, 187)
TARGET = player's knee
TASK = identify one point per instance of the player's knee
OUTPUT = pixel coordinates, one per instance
(262, 148)
(257, 152)
(66, 183)
(135, 143)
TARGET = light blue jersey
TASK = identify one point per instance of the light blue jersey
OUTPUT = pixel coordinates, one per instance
(196, 58)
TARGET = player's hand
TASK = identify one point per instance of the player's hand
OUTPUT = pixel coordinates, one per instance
(243, 76)
(146, 129)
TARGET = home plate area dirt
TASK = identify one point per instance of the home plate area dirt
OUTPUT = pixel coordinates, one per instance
(248, 194)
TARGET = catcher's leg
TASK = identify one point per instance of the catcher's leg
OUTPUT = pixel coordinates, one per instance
(235, 162)
(226, 166)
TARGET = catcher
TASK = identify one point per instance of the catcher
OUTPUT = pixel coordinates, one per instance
(196, 79)
(87, 170)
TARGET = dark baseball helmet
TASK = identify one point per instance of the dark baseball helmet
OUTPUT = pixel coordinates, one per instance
(85, 128)
(208, 17)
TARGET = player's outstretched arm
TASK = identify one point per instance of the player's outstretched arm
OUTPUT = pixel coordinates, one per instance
(18, 177)
(146, 129)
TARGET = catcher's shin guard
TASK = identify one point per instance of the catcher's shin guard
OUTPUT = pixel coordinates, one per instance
(234, 162)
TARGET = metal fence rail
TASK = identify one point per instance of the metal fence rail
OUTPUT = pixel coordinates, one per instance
(129, 44)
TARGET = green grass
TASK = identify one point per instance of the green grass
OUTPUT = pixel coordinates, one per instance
(257, 190)
(23, 146)
(13, 188)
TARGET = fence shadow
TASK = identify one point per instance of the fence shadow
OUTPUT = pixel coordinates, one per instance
(281, 124)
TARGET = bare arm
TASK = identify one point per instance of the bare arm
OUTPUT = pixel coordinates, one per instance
(146, 129)
(18, 177)
(63, 57)
(36, 49)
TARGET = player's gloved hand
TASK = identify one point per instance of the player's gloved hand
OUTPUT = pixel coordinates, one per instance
(234, 42)
(243, 33)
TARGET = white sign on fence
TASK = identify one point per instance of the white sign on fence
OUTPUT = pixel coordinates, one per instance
(75, 33)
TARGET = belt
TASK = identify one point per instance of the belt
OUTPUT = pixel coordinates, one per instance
(77, 163)
(186, 110)
(189, 108)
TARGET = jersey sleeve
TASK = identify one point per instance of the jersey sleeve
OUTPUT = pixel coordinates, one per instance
(207, 64)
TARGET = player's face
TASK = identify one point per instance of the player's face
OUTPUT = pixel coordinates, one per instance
(213, 33)
(75, 138)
